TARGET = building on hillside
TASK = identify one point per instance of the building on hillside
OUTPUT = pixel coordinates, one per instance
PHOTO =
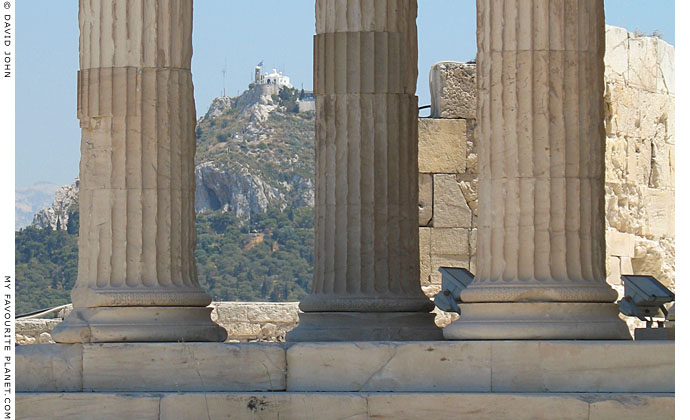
(306, 102)
(273, 78)
(276, 80)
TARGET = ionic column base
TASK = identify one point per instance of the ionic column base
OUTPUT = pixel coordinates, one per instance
(87, 297)
(139, 324)
(538, 321)
(365, 326)
(521, 292)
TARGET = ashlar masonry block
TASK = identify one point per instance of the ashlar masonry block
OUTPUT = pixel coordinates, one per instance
(197, 367)
(450, 206)
(67, 406)
(241, 406)
(442, 146)
(453, 90)
(49, 368)
(450, 247)
(450, 241)
(620, 244)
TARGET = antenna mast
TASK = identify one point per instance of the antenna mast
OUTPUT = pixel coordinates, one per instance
(225, 70)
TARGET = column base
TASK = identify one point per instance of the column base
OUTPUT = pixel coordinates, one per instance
(139, 324)
(353, 303)
(365, 326)
(538, 321)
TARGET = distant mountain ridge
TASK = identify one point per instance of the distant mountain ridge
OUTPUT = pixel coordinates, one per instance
(30, 199)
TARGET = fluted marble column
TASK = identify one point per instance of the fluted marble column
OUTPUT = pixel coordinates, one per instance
(137, 274)
(366, 278)
(541, 247)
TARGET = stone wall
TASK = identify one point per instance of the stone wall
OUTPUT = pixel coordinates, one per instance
(35, 331)
(640, 168)
(255, 321)
(639, 164)
(448, 175)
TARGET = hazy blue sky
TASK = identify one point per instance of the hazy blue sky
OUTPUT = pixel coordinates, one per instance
(243, 32)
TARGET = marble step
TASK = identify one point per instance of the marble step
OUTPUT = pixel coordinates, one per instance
(425, 366)
(345, 405)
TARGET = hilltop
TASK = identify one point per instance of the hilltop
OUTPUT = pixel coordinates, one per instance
(254, 152)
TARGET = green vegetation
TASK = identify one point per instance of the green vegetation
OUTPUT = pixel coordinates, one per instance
(287, 97)
(271, 262)
(270, 259)
(45, 267)
(655, 33)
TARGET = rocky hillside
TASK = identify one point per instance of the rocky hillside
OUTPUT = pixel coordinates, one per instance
(64, 212)
(29, 200)
(255, 152)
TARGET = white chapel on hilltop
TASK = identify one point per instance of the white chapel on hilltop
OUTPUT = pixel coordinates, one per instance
(274, 78)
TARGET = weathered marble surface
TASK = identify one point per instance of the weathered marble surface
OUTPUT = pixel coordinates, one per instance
(49, 368)
(135, 104)
(453, 90)
(342, 405)
(285, 405)
(442, 146)
(141, 367)
(540, 116)
(366, 252)
(378, 366)
(184, 367)
(431, 366)
(88, 406)
(483, 366)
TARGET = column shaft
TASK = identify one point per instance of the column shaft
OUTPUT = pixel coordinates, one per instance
(540, 71)
(366, 278)
(137, 235)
